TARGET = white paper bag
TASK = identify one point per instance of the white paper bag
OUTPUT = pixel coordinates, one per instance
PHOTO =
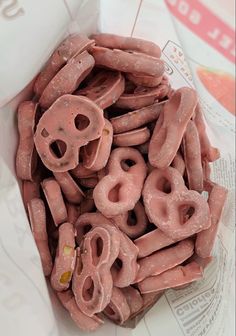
(29, 31)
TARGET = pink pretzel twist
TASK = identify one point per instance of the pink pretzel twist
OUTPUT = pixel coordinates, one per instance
(167, 201)
(120, 190)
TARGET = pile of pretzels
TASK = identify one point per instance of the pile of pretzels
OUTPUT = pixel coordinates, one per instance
(114, 164)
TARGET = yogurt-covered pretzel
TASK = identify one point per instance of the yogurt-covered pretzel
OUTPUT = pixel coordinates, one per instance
(128, 61)
(105, 88)
(26, 156)
(73, 213)
(208, 152)
(143, 148)
(37, 215)
(92, 283)
(127, 184)
(165, 259)
(65, 258)
(30, 190)
(71, 46)
(135, 119)
(178, 163)
(133, 298)
(134, 222)
(89, 182)
(177, 276)
(205, 239)
(192, 157)
(125, 268)
(67, 79)
(84, 123)
(52, 192)
(96, 153)
(167, 201)
(206, 169)
(127, 43)
(141, 97)
(83, 321)
(81, 172)
(147, 81)
(118, 309)
(171, 126)
(69, 187)
(151, 242)
(132, 138)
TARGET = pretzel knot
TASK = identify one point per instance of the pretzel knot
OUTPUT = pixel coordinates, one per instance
(177, 211)
(85, 123)
(92, 284)
(120, 190)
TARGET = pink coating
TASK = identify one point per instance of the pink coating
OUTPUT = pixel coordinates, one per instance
(132, 138)
(53, 194)
(37, 216)
(104, 89)
(178, 163)
(67, 79)
(206, 239)
(126, 185)
(89, 182)
(133, 298)
(134, 222)
(177, 276)
(85, 123)
(118, 309)
(30, 190)
(125, 268)
(83, 321)
(147, 81)
(177, 211)
(165, 259)
(135, 119)
(70, 47)
(152, 241)
(128, 61)
(64, 263)
(69, 187)
(192, 157)
(127, 43)
(171, 126)
(26, 156)
(92, 282)
(207, 151)
(81, 172)
(96, 153)
(142, 96)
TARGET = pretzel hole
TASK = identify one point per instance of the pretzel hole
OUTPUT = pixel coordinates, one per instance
(163, 185)
(132, 219)
(127, 164)
(88, 289)
(58, 148)
(185, 213)
(87, 228)
(109, 311)
(113, 195)
(97, 248)
(81, 122)
(118, 264)
(44, 133)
